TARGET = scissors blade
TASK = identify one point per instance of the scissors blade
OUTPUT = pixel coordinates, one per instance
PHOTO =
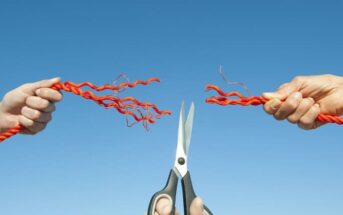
(188, 128)
(181, 130)
(181, 167)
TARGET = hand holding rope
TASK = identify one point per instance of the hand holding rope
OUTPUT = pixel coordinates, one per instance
(145, 112)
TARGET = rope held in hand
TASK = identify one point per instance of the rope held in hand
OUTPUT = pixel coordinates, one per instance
(225, 98)
(145, 112)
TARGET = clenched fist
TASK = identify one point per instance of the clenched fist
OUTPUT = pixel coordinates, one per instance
(30, 105)
(304, 98)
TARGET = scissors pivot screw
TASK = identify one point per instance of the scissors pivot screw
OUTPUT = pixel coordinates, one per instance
(181, 161)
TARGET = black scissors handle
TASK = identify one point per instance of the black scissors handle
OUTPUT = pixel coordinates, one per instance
(169, 191)
(189, 195)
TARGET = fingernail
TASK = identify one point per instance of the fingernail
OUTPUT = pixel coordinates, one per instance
(197, 202)
(55, 79)
(275, 104)
(37, 91)
(268, 95)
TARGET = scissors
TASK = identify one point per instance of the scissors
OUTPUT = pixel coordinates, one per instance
(179, 169)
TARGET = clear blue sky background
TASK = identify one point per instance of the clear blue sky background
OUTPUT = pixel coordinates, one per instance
(243, 162)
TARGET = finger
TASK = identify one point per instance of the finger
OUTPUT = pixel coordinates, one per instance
(197, 207)
(308, 121)
(163, 206)
(286, 89)
(272, 106)
(46, 83)
(35, 115)
(26, 131)
(283, 92)
(302, 109)
(49, 94)
(32, 87)
(31, 126)
(288, 106)
(38, 103)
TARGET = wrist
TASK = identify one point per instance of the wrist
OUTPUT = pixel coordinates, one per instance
(340, 81)
(5, 120)
(334, 80)
(339, 92)
(2, 119)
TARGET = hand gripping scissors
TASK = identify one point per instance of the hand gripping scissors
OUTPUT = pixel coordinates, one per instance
(179, 169)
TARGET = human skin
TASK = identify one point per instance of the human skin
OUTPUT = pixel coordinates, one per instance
(30, 105)
(163, 207)
(301, 100)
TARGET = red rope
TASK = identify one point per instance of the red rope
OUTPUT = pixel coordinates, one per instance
(139, 111)
(226, 98)
(10, 132)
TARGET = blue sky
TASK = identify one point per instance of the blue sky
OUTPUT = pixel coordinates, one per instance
(87, 162)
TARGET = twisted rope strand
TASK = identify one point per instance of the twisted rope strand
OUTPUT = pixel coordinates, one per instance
(111, 87)
(10, 132)
(128, 106)
(228, 98)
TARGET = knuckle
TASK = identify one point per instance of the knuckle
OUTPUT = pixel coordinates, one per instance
(28, 122)
(267, 108)
(306, 121)
(33, 132)
(283, 85)
(37, 127)
(279, 115)
(23, 110)
(304, 126)
(25, 121)
(43, 92)
(308, 101)
(57, 96)
(291, 104)
(52, 108)
(292, 119)
(44, 103)
(49, 117)
(30, 100)
(35, 114)
(298, 79)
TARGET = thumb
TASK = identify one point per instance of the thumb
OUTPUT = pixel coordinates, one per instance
(282, 93)
(163, 206)
(197, 206)
(32, 87)
(46, 83)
